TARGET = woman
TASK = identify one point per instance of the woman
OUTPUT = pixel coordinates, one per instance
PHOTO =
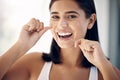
(75, 51)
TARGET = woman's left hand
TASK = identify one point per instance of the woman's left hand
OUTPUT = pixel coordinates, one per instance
(92, 51)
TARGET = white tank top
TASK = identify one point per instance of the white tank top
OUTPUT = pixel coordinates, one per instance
(44, 75)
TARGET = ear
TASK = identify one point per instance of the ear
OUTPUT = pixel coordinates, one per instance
(92, 20)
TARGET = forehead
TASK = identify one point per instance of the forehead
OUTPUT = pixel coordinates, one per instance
(65, 5)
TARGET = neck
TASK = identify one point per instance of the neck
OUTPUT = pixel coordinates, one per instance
(71, 57)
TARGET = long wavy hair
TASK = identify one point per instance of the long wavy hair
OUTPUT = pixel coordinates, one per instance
(92, 34)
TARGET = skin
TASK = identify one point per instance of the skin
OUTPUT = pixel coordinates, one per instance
(64, 18)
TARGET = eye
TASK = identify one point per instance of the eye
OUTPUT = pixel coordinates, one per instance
(72, 16)
(55, 17)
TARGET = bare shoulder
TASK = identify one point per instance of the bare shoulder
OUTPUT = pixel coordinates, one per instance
(25, 67)
(117, 71)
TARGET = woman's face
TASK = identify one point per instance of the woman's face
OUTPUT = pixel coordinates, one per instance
(68, 23)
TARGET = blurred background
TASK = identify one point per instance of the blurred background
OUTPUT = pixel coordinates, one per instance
(16, 13)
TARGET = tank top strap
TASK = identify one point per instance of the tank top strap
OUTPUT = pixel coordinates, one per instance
(93, 73)
(44, 75)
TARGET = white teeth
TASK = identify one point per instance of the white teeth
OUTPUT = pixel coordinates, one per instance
(64, 34)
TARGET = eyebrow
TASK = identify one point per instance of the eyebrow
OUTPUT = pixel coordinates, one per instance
(68, 12)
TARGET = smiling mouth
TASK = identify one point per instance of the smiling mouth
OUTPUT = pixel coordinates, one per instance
(64, 35)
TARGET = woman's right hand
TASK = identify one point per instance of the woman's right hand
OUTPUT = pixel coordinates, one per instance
(31, 33)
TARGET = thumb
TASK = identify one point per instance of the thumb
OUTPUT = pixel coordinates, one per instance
(44, 30)
(77, 43)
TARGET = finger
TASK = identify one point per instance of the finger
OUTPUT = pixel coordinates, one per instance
(44, 30)
(82, 49)
(38, 25)
(26, 27)
(41, 27)
(33, 24)
(86, 44)
(77, 43)
(89, 47)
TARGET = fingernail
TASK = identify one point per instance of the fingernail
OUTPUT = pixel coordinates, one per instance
(75, 45)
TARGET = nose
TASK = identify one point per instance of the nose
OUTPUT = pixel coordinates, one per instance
(63, 23)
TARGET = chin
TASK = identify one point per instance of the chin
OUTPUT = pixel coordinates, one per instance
(66, 46)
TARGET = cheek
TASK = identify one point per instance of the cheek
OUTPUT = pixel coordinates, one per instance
(80, 30)
(53, 34)
(53, 24)
(78, 27)
(53, 28)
